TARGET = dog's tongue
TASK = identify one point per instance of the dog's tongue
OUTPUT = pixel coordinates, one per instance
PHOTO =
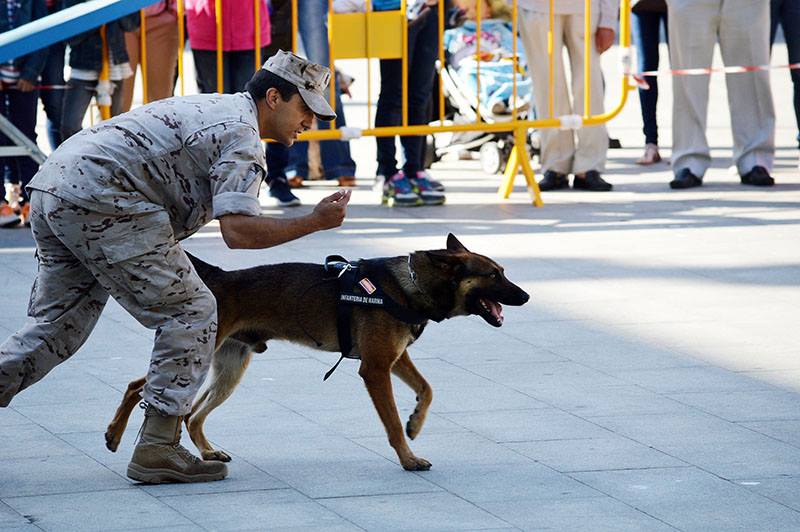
(496, 309)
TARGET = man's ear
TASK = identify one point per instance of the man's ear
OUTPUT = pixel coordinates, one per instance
(272, 97)
(454, 245)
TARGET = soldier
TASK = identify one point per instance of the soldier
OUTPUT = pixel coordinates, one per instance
(108, 210)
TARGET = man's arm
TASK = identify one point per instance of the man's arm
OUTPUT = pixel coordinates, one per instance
(241, 231)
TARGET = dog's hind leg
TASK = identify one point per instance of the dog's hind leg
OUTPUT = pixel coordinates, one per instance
(229, 363)
(408, 373)
(117, 426)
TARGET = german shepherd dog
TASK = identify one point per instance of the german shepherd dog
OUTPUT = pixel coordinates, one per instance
(298, 302)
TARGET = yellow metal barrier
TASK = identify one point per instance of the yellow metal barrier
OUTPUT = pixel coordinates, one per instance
(384, 35)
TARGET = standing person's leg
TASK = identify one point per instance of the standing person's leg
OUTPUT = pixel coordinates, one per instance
(53, 99)
(335, 155)
(133, 49)
(78, 96)
(23, 111)
(787, 14)
(592, 148)
(693, 28)
(117, 98)
(388, 113)
(646, 29)
(242, 67)
(205, 66)
(162, 55)
(557, 146)
(744, 40)
(65, 304)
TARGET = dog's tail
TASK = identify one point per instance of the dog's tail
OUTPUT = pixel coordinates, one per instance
(204, 269)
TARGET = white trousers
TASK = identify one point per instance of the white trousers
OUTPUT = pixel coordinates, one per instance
(742, 29)
(559, 150)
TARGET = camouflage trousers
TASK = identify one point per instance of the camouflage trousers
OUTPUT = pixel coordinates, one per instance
(83, 257)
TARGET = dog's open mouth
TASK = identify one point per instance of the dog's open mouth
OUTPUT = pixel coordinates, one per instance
(491, 311)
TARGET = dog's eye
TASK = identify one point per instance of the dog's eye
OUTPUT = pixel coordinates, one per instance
(493, 276)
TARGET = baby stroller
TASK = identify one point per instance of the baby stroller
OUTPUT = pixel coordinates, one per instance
(461, 107)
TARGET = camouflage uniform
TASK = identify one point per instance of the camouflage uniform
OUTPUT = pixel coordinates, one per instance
(108, 209)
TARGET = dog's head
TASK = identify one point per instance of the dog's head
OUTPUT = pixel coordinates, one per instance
(467, 283)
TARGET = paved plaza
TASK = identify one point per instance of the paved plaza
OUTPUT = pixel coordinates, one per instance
(651, 383)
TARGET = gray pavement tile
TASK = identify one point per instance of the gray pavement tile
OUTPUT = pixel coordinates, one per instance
(750, 405)
(10, 519)
(691, 379)
(482, 398)
(691, 499)
(65, 386)
(575, 515)
(73, 417)
(787, 431)
(784, 490)
(55, 474)
(527, 425)
(759, 458)
(544, 374)
(589, 401)
(558, 333)
(619, 354)
(503, 349)
(121, 509)
(518, 480)
(783, 378)
(254, 510)
(9, 417)
(689, 428)
(364, 422)
(32, 441)
(596, 454)
(418, 511)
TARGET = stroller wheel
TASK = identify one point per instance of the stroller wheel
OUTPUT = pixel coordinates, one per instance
(493, 158)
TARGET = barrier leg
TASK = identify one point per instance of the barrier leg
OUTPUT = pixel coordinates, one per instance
(516, 159)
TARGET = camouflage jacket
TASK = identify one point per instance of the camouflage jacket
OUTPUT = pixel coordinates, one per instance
(195, 157)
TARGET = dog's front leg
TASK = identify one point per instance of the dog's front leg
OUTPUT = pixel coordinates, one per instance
(377, 378)
(408, 373)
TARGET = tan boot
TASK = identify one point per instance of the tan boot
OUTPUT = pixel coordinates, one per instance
(159, 456)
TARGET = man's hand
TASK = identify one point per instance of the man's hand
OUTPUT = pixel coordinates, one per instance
(24, 85)
(330, 212)
(603, 39)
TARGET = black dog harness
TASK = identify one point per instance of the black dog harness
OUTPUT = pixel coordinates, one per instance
(355, 288)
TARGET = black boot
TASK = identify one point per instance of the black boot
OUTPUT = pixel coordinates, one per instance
(591, 181)
(553, 181)
(685, 179)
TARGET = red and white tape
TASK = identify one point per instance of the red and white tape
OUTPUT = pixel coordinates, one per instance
(642, 83)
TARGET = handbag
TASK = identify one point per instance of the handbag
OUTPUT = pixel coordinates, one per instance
(649, 6)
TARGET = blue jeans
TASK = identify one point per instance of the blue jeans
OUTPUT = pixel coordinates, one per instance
(237, 69)
(20, 109)
(53, 99)
(78, 96)
(312, 21)
(787, 13)
(423, 49)
(646, 30)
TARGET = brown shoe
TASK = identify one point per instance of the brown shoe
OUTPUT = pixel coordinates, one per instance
(347, 181)
(651, 155)
(295, 182)
(159, 456)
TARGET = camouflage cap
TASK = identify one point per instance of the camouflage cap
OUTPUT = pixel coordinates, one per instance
(310, 79)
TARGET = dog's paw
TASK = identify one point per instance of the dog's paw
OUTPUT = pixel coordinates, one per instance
(220, 456)
(112, 443)
(416, 464)
(413, 427)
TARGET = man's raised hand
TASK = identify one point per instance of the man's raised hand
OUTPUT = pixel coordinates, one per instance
(330, 211)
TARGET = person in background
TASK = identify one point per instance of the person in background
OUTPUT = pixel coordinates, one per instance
(161, 42)
(238, 42)
(86, 60)
(52, 91)
(742, 29)
(19, 96)
(648, 17)
(559, 154)
(289, 166)
(787, 14)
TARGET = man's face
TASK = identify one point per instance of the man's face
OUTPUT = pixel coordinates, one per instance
(291, 119)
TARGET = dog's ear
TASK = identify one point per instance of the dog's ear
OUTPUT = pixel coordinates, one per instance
(453, 244)
(445, 259)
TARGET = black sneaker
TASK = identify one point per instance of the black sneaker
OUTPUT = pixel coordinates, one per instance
(279, 189)
(553, 180)
(685, 179)
(758, 177)
(591, 181)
